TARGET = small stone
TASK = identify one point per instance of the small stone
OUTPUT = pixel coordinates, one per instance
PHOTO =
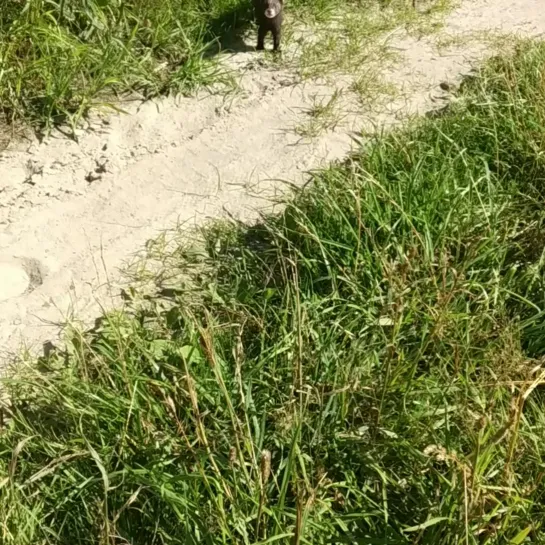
(92, 177)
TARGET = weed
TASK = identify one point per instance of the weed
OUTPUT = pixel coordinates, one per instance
(371, 88)
(324, 114)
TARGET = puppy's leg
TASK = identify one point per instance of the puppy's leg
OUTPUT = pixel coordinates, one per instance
(277, 34)
(261, 33)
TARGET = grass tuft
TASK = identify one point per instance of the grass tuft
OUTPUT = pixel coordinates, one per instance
(324, 115)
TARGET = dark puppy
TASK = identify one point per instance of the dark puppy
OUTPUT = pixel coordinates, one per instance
(269, 15)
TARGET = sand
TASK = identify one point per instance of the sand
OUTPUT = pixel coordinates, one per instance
(77, 212)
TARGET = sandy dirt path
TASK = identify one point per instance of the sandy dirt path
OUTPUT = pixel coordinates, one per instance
(71, 214)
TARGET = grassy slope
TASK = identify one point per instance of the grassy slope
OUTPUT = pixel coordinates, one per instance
(361, 368)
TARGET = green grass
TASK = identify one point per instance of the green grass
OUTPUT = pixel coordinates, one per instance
(60, 58)
(324, 115)
(363, 368)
